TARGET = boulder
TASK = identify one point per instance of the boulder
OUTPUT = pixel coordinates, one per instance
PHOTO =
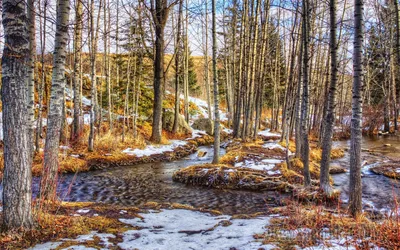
(168, 123)
(201, 153)
(335, 168)
(204, 124)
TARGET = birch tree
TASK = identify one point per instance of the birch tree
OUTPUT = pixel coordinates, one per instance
(17, 178)
(355, 188)
(330, 116)
(215, 81)
(76, 130)
(50, 168)
(305, 149)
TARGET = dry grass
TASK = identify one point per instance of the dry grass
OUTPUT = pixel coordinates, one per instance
(388, 169)
(58, 223)
(323, 224)
(224, 176)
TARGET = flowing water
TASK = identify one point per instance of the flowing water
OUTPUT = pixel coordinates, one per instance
(136, 185)
(379, 192)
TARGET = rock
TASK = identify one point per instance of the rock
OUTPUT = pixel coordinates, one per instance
(387, 145)
(204, 124)
(335, 168)
(168, 123)
(201, 153)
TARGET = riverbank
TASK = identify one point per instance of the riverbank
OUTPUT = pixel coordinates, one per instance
(259, 166)
(74, 159)
(177, 226)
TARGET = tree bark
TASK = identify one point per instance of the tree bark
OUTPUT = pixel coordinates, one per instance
(17, 179)
(76, 131)
(215, 81)
(31, 69)
(305, 152)
(330, 115)
(355, 188)
(160, 16)
(50, 168)
(177, 69)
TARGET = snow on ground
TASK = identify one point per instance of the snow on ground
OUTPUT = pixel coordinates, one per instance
(155, 149)
(197, 133)
(185, 229)
(203, 109)
(266, 165)
(180, 229)
(268, 133)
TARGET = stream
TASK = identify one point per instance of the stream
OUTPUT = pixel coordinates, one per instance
(136, 185)
(379, 192)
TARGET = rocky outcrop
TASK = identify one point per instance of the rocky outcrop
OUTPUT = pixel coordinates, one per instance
(168, 123)
(204, 124)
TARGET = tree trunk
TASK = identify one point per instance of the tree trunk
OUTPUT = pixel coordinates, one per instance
(93, 78)
(305, 154)
(186, 63)
(160, 15)
(31, 70)
(177, 70)
(42, 84)
(76, 130)
(330, 115)
(355, 188)
(215, 81)
(17, 179)
(50, 168)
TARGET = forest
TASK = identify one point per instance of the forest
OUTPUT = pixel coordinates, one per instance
(196, 124)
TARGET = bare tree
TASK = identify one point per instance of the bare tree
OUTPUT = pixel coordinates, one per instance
(31, 68)
(76, 130)
(49, 178)
(330, 115)
(355, 188)
(305, 149)
(177, 69)
(17, 179)
(160, 15)
(215, 81)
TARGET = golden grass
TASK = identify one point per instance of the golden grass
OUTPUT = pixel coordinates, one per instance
(324, 224)
(57, 222)
(388, 169)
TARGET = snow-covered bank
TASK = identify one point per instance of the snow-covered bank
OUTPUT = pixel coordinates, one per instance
(155, 149)
(177, 229)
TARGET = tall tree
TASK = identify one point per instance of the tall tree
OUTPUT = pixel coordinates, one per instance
(330, 115)
(177, 68)
(76, 130)
(94, 36)
(49, 178)
(355, 188)
(31, 67)
(160, 16)
(17, 179)
(215, 81)
(41, 85)
(305, 149)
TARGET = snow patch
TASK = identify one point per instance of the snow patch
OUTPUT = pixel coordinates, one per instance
(185, 229)
(155, 149)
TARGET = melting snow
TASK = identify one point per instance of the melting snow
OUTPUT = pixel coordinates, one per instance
(155, 149)
(268, 133)
(185, 229)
